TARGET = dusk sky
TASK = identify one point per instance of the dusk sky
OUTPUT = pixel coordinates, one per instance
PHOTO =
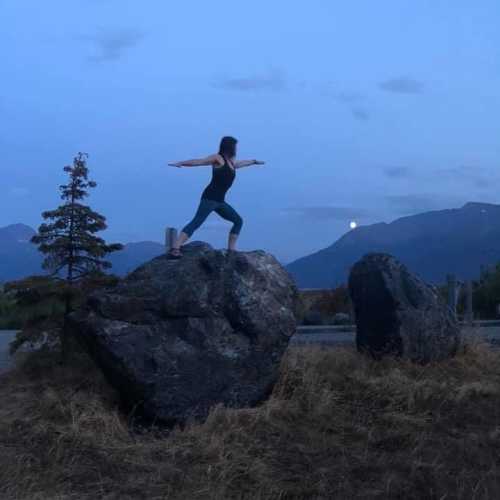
(362, 110)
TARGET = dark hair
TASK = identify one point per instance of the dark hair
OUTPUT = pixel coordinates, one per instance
(227, 147)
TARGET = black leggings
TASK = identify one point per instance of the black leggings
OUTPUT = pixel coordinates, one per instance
(222, 208)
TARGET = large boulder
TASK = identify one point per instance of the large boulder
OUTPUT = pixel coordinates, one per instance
(397, 313)
(176, 337)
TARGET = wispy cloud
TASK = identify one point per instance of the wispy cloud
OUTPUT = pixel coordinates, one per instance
(360, 114)
(474, 176)
(273, 80)
(402, 85)
(325, 212)
(349, 97)
(111, 45)
(407, 204)
(398, 172)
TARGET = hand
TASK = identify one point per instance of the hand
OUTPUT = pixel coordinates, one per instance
(257, 162)
(178, 165)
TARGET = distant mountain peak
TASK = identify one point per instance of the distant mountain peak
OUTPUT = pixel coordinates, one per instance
(20, 258)
(16, 232)
(17, 227)
(431, 244)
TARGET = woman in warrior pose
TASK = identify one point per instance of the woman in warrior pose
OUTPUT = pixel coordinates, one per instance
(224, 167)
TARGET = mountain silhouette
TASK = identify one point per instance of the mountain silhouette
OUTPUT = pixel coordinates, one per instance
(20, 258)
(431, 244)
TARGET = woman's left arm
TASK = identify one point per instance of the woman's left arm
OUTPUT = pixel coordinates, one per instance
(247, 163)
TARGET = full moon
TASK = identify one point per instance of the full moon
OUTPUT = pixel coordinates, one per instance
(353, 225)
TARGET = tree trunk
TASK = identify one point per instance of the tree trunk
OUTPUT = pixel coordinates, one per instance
(65, 334)
(65, 340)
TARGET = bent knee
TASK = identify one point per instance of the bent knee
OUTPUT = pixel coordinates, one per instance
(190, 228)
(237, 225)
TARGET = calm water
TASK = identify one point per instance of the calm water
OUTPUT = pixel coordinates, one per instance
(6, 336)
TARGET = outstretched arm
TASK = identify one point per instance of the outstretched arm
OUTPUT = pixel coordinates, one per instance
(247, 163)
(209, 160)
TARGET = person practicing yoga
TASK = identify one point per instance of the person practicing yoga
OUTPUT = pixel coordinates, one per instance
(224, 167)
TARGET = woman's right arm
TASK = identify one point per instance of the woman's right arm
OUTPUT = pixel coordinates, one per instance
(209, 160)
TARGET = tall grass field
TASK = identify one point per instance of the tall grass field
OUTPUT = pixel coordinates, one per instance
(338, 425)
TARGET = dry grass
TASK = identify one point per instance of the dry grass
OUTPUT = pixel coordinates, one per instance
(337, 426)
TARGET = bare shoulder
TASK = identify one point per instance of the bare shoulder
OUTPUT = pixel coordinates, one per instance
(218, 161)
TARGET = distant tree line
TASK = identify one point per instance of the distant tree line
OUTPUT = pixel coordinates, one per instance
(320, 306)
(486, 297)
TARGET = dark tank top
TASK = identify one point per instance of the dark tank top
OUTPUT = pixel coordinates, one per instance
(222, 179)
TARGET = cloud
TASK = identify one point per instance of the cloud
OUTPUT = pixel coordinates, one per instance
(402, 85)
(474, 176)
(330, 89)
(415, 203)
(349, 97)
(325, 212)
(398, 172)
(274, 80)
(111, 45)
(360, 114)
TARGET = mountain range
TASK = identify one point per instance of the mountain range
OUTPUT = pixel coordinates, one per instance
(432, 244)
(20, 258)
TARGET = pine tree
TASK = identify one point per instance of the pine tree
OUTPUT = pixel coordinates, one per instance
(69, 241)
(73, 251)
